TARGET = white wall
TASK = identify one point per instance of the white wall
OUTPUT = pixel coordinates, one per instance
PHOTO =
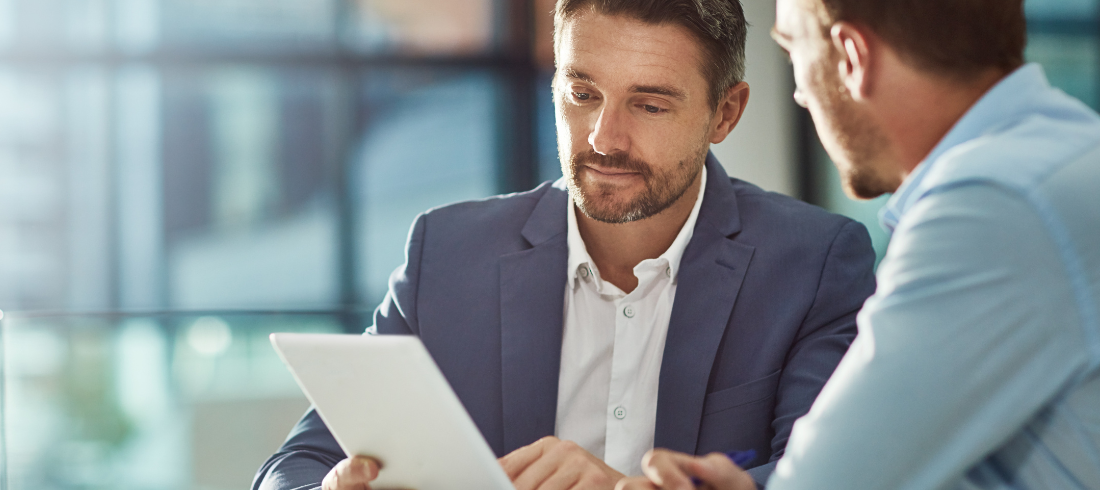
(763, 147)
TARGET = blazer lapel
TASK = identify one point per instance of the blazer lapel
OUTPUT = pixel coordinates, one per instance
(532, 299)
(711, 272)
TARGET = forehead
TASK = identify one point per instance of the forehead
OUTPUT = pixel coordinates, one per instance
(796, 19)
(617, 48)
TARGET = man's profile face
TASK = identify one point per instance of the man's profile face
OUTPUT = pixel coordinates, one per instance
(856, 145)
(633, 115)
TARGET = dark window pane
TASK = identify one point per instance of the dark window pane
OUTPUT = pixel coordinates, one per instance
(430, 140)
(546, 127)
(250, 213)
(1072, 63)
(1066, 9)
(268, 25)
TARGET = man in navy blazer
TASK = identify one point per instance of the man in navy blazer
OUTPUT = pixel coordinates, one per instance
(767, 287)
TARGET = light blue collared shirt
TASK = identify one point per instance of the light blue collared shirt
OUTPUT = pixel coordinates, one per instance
(976, 364)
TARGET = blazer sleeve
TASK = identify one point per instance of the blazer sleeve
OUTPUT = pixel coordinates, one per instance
(310, 451)
(847, 279)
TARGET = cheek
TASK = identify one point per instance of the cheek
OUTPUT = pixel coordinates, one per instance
(673, 139)
(573, 126)
(801, 84)
(810, 92)
(831, 134)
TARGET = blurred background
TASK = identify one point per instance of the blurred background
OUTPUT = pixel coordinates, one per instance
(179, 178)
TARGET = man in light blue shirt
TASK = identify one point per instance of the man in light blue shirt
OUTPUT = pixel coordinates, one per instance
(976, 364)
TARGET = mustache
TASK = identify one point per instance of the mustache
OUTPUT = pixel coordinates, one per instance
(618, 161)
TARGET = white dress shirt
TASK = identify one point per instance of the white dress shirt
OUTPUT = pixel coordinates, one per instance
(612, 348)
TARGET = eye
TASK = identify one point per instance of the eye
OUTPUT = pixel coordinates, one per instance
(652, 109)
(581, 96)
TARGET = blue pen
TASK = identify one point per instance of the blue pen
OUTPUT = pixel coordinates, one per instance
(739, 458)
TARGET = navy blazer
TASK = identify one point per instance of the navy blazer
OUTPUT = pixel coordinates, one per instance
(765, 308)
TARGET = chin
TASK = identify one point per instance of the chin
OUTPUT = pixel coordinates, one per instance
(608, 209)
(607, 205)
(861, 183)
(858, 193)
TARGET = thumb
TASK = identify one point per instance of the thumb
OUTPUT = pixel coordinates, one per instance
(352, 474)
(370, 466)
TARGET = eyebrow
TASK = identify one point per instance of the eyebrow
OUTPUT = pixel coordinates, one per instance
(658, 90)
(572, 73)
(638, 89)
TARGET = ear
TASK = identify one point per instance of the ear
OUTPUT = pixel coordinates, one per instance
(729, 112)
(855, 63)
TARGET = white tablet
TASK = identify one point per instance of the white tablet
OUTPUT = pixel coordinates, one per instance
(383, 396)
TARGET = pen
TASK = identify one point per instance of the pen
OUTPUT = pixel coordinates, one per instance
(739, 458)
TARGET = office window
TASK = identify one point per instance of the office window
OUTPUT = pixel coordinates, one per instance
(248, 172)
(212, 157)
(1064, 36)
(214, 154)
(429, 140)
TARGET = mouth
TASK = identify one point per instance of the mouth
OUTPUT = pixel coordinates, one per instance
(611, 172)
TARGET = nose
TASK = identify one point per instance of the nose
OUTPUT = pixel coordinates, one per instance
(609, 135)
(800, 97)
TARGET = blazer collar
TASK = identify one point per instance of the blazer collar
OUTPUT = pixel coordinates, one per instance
(712, 272)
(720, 206)
(548, 218)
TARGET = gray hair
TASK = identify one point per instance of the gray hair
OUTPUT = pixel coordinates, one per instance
(719, 25)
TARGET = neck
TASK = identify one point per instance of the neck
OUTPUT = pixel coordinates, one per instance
(923, 108)
(617, 248)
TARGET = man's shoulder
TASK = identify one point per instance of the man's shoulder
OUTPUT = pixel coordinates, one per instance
(772, 212)
(496, 217)
(1020, 156)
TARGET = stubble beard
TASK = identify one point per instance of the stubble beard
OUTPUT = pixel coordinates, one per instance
(859, 148)
(601, 202)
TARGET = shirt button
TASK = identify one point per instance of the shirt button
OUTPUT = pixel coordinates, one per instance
(584, 272)
(668, 272)
(628, 311)
(620, 413)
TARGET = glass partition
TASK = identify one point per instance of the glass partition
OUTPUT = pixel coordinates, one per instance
(149, 401)
(251, 154)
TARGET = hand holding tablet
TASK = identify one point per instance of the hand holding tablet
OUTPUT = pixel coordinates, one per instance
(354, 473)
(384, 397)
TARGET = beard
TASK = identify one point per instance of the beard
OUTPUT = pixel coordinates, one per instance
(858, 147)
(602, 201)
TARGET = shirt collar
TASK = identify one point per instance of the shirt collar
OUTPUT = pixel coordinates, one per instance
(578, 253)
(1000, 106)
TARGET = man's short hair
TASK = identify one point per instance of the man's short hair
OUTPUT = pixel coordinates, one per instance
(950, 37)
(718, 25)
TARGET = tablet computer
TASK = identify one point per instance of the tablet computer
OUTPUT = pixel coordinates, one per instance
(383, 396)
